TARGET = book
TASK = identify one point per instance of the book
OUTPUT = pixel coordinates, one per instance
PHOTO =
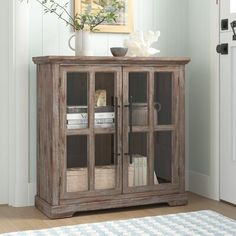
(136, 171)
(84, 126)
(78, 126)
(85, 121)
(104, 120)
(77, 109)
(76, 116)
(105, 125)
(84, 109)
(144, 170)
(155, 178)
(140, 170)
(77, 122)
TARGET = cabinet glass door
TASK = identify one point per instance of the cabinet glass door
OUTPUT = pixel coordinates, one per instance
(136, 123)
(165, 127)
(76, 108)
(163, 94)
(106, 122)
(150, 125)
(77, 163)
(163, 157)
(77, 100)
(105, 96)
(91, 117)
(105, 162)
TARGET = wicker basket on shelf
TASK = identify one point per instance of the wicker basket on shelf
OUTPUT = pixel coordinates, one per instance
(105, 178)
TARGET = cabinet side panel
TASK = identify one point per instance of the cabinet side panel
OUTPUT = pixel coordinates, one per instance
(182, 128)
(56, 126)
(44, 132)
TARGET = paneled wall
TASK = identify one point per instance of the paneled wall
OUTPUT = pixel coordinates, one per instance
(4, 119)
(199, 20)
(203, 36)
(49, 36)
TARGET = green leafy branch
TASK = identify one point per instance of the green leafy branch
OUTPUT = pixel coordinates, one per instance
(90, 19)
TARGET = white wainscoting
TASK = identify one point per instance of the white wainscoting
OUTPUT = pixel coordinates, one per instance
(4, 119)
(18, 104)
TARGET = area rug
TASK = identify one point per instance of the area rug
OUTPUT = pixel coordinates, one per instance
(201, 223)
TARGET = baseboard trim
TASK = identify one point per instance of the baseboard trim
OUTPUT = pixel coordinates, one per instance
(31, 194)
(186, 180)
(202, 184)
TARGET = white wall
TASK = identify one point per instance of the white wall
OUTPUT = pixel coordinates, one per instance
(203, 98)
(4, 102)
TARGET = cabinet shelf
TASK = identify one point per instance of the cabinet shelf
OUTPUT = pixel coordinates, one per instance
(77, 131)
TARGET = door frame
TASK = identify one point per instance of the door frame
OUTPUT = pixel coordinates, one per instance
(227, 126)
(20, 192)
(213, 188)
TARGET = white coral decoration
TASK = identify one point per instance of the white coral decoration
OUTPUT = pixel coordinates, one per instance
(139, 43)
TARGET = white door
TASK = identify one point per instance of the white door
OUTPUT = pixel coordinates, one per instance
(227, 49)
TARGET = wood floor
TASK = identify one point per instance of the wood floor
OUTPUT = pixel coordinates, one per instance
(17, 219)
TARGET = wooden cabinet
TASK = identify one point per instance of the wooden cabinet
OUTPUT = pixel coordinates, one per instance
(110, 133)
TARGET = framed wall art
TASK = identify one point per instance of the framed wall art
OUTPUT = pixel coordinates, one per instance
(124, 22)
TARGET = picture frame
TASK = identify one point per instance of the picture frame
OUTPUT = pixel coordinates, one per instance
(123, 25)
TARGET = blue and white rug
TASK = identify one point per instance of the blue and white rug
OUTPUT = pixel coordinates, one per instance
(201, 223)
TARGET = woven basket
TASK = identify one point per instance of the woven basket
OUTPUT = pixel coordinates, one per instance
(105, 178)
(77, 179)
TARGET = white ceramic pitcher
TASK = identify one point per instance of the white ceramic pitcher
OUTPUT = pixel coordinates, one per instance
(83, 44)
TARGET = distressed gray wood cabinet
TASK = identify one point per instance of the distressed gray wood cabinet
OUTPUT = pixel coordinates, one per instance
(110, 133)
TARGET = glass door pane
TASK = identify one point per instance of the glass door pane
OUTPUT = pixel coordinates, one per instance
(162, 157)
(76, 162)
(163, 98)
(138, 98)
(77, 100)
(104, 100)
(137, 172)
(105, 163)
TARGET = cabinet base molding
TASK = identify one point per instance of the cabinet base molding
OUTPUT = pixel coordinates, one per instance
(62, 211)
(178, 202)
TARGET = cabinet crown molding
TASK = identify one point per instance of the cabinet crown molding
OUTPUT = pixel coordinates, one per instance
(112, 60)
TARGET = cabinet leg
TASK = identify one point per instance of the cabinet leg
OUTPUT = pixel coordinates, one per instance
(177, 203)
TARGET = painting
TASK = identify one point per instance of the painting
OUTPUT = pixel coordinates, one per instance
(124, 23)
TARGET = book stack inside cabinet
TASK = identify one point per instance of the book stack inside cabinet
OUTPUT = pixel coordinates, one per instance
(77, 117)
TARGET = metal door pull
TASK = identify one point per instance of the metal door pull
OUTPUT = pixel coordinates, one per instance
(233, 26)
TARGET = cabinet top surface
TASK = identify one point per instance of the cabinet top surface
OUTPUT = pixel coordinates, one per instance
(110, 60)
